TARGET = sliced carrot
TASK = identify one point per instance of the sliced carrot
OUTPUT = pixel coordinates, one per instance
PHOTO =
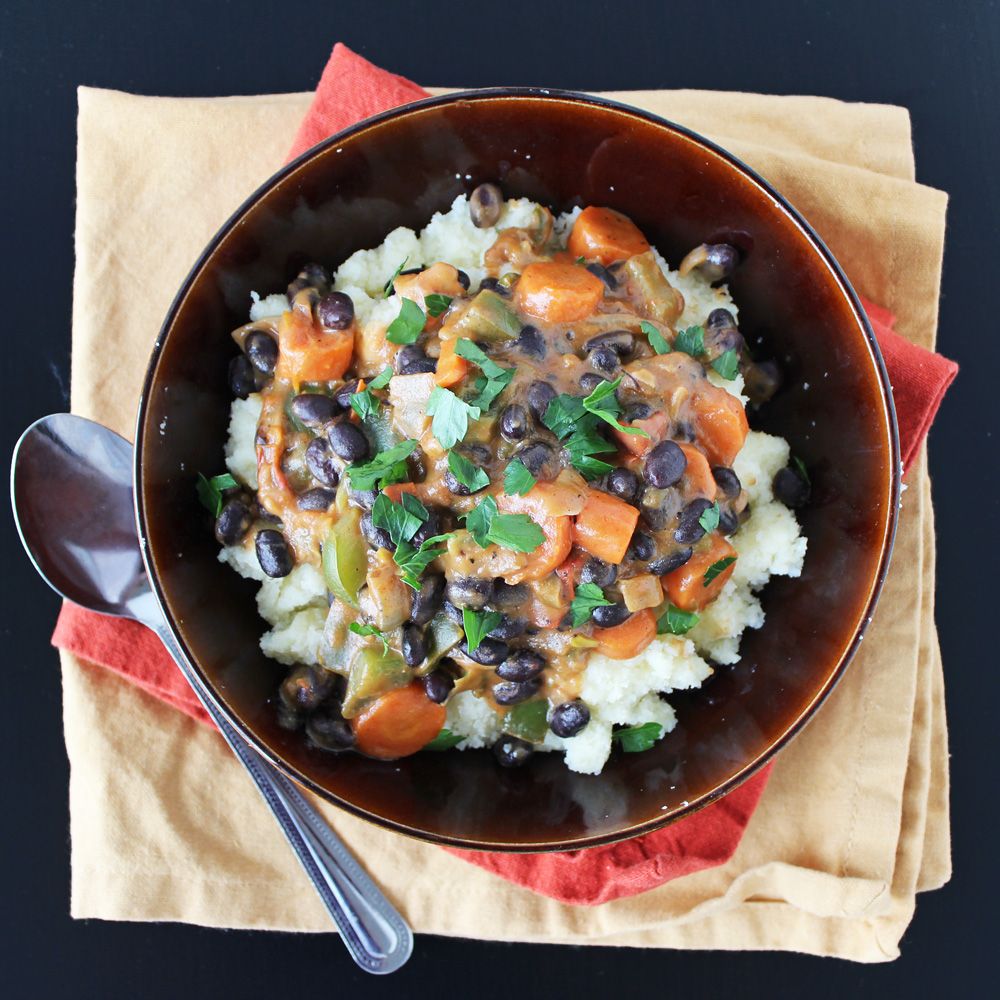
(654, 425)
(622, 642)
(307, 353)
(605, 235)
(398, 723)
(720, 424)
(605, 525)
(552, 552)
(557, 292)
(698, 478)
(451, 369)
(395, 491)
(686, 587)
(569, 573)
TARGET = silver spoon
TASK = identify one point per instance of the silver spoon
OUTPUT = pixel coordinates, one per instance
(71, 489)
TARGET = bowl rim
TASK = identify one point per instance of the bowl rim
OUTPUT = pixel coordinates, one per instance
(554, 95)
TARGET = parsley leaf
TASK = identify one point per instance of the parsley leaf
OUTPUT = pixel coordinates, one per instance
(370, 630)
(363, 403)
(487, 389)
(451, 416)
(465, 348)
(673, 621)
(517, 480)
(716, 568)
(800, 467)
(436, 304)
(469, 475)
(656, 339)
(497, 378)
(477, 625)
(635, 739)
(386, 467)
(408, 325)
(387, 288)
(691, 341)
(412, 562)
(582, 446)
(444, 740)
(210, 491)
(709, 519)
(563, 414)
(401, 520)
(603, 403)
(727, 364)
(588, 596)
(513, 531)
(479, 519)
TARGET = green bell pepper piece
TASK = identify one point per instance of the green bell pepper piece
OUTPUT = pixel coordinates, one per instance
(527, 721)
(373, 673)
(345, 557)
(488, 318)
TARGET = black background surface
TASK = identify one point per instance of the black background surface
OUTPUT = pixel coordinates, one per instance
(942, 61)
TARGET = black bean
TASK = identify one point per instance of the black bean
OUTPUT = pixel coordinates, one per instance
(636, 411)
(763, 379)
(318, 498)
(610, 615)
(624, 484)
(671, 561)
(336, 311)
(453, 612)
(665, 465)
(689, 530)
(513, 692)
(431, 527)
(306, 687)
(720, 319)
(531, 342)
(463, 278)
(727, 481)
(365, 499)
(659, 507)
(233, 522)
(438, 685)
(241, 380)
(493, 285)
(378, 538)
(262, 351)
(720, 262)
(642, 547)
(414, 646)
(454, 486)
(489, 652)
(590, 381)
(600, 271)
(509, 751)
(485, 204)
(521, 665)
(514, 422)
(604, 359)
(321, 463)
(534, 456)
(348, 441)
(273, 553)
(569, 718)
(729, 522)
(342, 397)
(508, 595)
(427, 599)
(411, 360)
(540, 394)
(469, 592)
(313, 409)
(329, 731)
(622, 342)
(311, 276)
(598, 571)
(509, 628)
(790, 488)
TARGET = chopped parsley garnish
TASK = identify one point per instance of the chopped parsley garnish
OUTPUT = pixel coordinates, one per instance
(517, 480)
(673, 621)
(513, 531)
(580, 260)
(436, 304)
(563, 414)
(477, 625)
(635, 739)
(656, 339)
(363, 403)
(709, 519)
(445, 740)
(408, 325)
(210, 491)
(386, 467)
(800, 467)
(387, 288)
(727, 364)
(582, 446)
(716, 568)
(603, 403)
(691, 341)
(451, 416)
(412, 561)
(494, 379)
(588, 596)
(370, 630)
(469, 475)
(401, 520)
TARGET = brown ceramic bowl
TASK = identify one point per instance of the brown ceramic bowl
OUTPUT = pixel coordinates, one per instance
(561, 149)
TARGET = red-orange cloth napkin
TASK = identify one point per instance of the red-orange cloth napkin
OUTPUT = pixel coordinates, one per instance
(351, 89)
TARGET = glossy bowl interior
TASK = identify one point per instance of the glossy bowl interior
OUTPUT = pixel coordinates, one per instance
(795, 305)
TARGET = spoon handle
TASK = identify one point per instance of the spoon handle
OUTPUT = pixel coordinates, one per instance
(377, 937)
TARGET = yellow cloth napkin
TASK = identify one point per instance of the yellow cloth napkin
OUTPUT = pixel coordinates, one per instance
(854, 821)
